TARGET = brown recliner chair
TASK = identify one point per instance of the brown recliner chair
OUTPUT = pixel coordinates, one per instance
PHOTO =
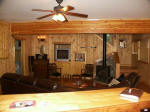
(133, 79)
(130, 80)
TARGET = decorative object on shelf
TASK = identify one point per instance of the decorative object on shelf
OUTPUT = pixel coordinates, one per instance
(80, 57)
(123, 43)
(42, 49)
(41, 37)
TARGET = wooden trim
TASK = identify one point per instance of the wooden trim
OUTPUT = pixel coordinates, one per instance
(55, 61)
(116, 57)
(100, 26)
(142, 51)
(62, 43)
(117, 62)
(23, 59)
(18, 38)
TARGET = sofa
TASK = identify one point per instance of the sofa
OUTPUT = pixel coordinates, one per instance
(12, 83)
(131, 80)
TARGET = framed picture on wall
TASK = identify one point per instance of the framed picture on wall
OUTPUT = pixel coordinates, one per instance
(79, 56)
(122, 43)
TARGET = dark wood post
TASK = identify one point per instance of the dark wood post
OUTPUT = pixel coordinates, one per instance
(104, 49)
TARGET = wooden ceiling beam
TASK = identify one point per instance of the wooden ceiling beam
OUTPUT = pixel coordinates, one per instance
(99, 26)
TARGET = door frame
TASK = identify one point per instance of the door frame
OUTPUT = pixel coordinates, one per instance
(23, 60)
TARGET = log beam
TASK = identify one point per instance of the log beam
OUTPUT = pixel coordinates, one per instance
(99, 26)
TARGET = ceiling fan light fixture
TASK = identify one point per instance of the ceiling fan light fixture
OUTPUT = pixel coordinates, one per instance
(55, 17)
(59, 13)
(65, 8)
(59, 17)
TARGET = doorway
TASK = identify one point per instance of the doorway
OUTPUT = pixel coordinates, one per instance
(18, 62)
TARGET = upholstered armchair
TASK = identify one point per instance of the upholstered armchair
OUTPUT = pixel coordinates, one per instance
(131, 80)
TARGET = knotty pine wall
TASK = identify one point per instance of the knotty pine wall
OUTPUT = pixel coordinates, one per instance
(143, 68)
(121, 26)
(7, 51)
(125, 54)
(32, 47)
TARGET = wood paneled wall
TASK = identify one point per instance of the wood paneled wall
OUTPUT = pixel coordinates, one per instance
(125, 54)
(4, 33)
(143, 68)
(7, 60)
(32, 47)
(99, 26)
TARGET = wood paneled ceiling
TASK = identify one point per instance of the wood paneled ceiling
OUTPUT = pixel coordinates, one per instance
(20, 10)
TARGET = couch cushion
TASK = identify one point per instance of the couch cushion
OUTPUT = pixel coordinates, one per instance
(12, 76)
(133, 78)
(46, 83)
(27, 80)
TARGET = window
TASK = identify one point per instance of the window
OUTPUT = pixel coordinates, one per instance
(62, 52)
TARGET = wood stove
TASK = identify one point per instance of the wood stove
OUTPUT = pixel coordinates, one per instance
(103, 71)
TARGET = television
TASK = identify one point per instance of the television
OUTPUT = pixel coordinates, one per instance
(62, 55)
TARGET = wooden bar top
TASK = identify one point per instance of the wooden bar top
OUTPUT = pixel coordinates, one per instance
(106, 100)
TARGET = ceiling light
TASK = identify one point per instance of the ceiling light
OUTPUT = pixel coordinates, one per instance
(65, 8)
(41, 37)
(61, 12)
(55, 17)
(59, 17)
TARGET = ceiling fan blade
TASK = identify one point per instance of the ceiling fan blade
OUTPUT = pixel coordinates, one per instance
(45, 16)
(67, 8)
(66, 20)
(41, 10)
(76, 14)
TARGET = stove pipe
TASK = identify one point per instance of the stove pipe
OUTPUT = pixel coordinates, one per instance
(104, 49)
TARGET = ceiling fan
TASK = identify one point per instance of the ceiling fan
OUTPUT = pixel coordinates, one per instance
(59, 13)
